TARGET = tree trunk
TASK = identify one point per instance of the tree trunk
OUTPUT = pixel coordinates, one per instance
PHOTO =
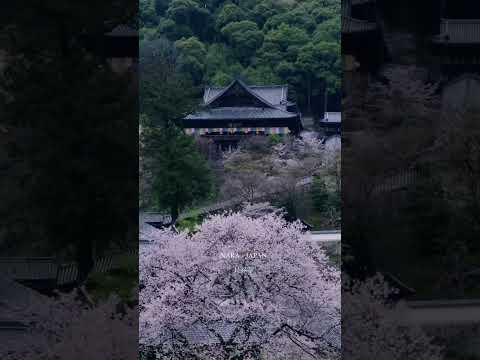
(309, 95)
(84, 258)
(174, 213)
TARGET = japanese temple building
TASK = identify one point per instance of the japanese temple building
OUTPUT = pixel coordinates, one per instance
(118, 47)
(331, 124)
(440, 38)
(230, 113)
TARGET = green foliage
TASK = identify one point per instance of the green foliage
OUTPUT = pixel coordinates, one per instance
(317, 60)
(244, 36)
(192, 58)
(189, 224)
(261, 75)
(217, 60)
(265, 10)
(221, 79)
(171, 30)
(275, 139)
(181, 175)
(261, 41)
(148, 15)
(166, 95)
(189, 13)
(324, 198)
(228, 14)
(121, 281)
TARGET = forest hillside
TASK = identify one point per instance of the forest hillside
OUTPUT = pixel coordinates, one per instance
(260, 41)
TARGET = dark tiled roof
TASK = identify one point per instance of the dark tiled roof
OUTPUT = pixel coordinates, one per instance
(268, 102)
(234, 113)
(198, 334)
(351, 25)
(123, 30)
(463, 77)
(28, 268)
(359, 2)
(13, 294)
(332, 117)
(144, 223)
(239, 85)
(459, 31)
(273, 94)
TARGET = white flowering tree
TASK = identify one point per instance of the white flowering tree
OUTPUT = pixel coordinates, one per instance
(71, 329)
(372, 327)
(238, 288)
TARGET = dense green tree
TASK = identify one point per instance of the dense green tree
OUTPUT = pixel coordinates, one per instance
(147, 33)
(293, 42)
(316, 61)
(328, 30)
(182, 11)
(324, 199)
(161, 6)
(166, 94)
(148, 14)
(191, 13)
(217, 59)
(265, 10)
(77, 114)
(261, 75)
(244, 36)
(221, 79)
(297, 17)
(286, 36)
(173, 173)
(180, 174)
(229, 13)
(172, 30)
(192, 58)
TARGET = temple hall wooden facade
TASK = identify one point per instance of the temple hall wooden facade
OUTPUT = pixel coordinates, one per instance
(229, 114)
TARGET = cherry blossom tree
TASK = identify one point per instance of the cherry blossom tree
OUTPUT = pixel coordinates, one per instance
(279, 172)
(72, 329)
(371, 326)
(240, 287)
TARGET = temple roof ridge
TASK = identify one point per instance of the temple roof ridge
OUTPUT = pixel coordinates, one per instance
(245, 87)
(275, 95)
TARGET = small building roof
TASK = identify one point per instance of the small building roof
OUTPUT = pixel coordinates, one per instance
(145, 221)
(459, 31)
(352, 25)
(198, 334)
(123, 30)
(360, 2)
(332, 117)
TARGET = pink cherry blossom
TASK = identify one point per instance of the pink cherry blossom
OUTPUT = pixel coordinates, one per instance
(371, 328)
(239, 285)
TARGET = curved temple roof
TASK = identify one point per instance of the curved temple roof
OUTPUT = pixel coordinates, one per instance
(275, 95)
(252, 105)
(241, 113)
(459, 31)
(352, 25)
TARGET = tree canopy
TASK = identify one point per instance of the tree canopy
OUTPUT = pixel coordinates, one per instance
(262, 42)
(231, 281)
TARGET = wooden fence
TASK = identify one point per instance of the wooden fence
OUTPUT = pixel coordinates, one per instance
(40, 268)
(398, 181)
(43, 268)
